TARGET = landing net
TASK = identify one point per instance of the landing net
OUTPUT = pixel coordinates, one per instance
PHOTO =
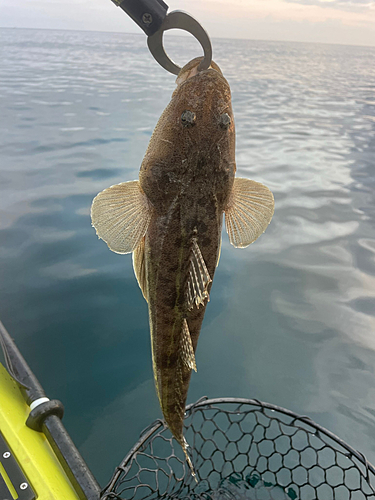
(243, 449)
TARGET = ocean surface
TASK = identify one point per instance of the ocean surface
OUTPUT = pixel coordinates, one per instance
(291, 319)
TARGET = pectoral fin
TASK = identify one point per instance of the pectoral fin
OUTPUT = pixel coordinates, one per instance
(187, 351)
(139, 265)
(249, 211)
(198, 279)
(120, 215)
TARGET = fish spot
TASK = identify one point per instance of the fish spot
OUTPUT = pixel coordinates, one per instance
(173, 269)
(201, 201)
(202, 227)
(205, 242)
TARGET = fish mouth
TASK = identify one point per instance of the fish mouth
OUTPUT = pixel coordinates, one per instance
(190, 70)
(188, 79)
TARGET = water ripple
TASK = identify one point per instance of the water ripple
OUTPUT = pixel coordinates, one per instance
(291, 318)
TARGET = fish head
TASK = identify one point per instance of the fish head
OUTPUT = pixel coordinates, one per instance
(202, 104)
(194, 138)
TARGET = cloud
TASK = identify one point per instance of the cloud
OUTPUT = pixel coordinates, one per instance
(348, 5)
(289, 20)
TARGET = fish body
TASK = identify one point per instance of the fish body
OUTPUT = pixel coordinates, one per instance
(171, 219)
(188, 181)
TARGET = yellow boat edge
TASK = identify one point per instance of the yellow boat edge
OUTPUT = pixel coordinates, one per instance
(30, 448)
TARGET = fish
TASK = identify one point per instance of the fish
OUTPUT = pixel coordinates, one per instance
(171, 221)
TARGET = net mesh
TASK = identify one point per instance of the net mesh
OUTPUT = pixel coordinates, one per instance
(243, 449)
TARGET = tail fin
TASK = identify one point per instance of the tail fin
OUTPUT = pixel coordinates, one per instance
(188, 460)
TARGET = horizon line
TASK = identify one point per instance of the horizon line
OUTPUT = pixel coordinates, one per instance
(187, 36)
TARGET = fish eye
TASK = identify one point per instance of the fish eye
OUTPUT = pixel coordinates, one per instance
(188, 118)
(225, 120)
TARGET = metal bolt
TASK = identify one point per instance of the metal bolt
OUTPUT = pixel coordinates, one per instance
(6, 454)
(23, 486)
(147, 18)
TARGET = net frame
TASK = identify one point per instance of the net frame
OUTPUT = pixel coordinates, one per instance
(261, 469)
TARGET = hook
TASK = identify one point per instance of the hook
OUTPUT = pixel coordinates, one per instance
(180, 20)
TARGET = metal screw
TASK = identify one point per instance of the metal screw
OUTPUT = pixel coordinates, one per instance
(23, 486)
(6, 454)
(147, 18)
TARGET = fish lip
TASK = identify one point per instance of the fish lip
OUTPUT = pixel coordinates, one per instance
(203, 72)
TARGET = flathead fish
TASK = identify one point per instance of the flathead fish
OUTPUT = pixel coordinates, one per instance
(171, 220)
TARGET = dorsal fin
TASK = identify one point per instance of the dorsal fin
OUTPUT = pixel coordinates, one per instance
(186, 348)
(198, 278)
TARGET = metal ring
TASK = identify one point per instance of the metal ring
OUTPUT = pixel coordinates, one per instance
(180, 20)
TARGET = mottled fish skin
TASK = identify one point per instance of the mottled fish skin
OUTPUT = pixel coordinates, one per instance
(172, 219)
(187, 174)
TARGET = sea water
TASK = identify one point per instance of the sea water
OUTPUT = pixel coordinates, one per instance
(291, 319)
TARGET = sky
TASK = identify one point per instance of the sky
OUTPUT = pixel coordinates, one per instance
(349, 22)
